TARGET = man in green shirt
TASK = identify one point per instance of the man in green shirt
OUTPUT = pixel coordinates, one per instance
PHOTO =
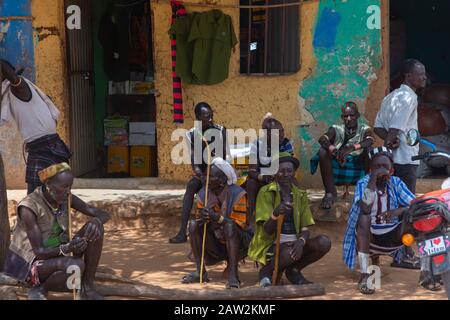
(283, 200)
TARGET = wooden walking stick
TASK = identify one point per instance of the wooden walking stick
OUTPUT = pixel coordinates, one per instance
(275, 276)
(69, 209)
(202, 260)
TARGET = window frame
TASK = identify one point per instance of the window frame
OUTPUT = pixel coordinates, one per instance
(268, 7)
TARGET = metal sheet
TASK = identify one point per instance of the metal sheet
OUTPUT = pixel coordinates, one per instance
(82, 113)
(16, 35)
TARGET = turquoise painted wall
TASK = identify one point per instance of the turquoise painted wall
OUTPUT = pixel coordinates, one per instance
(348, 57)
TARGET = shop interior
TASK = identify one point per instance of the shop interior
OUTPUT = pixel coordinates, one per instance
(121, 84)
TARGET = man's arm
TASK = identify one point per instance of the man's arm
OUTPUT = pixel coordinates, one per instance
(368, 141)
(328, 138)
(392, 139)
(381, 132)
(195, 167)
(84, 208)
(21, 90)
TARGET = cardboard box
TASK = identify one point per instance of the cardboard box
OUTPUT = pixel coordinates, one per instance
(116, 131)
(140, 161)
(118, 160)
(142, 128)
(138, 139)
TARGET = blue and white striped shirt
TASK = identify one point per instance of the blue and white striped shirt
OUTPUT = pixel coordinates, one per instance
(399, 196)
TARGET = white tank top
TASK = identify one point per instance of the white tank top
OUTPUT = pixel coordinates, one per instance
(34, 118)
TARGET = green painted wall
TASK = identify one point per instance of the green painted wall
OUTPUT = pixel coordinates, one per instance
(348, 57)
(101, 80)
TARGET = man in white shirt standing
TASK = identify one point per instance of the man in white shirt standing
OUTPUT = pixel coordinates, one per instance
(398, 115)
(36, 118)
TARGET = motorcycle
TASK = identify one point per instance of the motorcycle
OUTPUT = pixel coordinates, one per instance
(427, 221)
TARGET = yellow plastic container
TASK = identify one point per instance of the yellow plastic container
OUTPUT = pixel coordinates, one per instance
(140, 161)
(118, 159)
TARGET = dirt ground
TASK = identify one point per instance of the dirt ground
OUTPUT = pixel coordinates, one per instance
(148, 257)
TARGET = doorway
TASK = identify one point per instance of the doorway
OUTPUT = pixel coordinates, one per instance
(111, 74)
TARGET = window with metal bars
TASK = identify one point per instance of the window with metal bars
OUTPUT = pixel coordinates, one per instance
(270, 37)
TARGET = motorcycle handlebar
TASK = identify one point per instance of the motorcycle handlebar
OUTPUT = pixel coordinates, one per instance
(430, 154)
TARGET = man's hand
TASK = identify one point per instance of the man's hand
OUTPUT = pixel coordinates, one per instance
(283, 208)
(380, 172)
(267, 179)
(297, 249)
(377, 173)
(77, 246)
(389, 215)
(392, 144)
(92, 231)
(392, 139)
(342, 154)
(209, 215)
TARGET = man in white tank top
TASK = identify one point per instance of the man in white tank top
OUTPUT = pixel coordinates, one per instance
(36, 118)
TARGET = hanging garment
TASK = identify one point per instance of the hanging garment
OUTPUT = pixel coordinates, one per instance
(178, 10)
(139, 42)
(213, 37)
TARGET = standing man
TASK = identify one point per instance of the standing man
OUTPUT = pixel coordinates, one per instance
(398, 115)
(36, 117)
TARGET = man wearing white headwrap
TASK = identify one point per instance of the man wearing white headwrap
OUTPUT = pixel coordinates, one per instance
(227, 232)
(227, 169)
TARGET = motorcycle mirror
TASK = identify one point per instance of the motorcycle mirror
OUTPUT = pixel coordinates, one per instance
(446, 184)
(412, 137)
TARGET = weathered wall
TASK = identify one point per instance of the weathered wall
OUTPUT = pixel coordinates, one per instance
(340, 59)
(49, 51)
(238, 102)
(350, 66)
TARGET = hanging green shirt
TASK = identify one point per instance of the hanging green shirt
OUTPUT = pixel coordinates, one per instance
(180, 30)
(268, 200)
(213, 36)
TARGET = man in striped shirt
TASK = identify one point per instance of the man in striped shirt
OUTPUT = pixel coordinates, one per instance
(374, 225)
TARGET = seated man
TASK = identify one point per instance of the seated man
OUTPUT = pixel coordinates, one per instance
(256, 179)
(40, 251)
(297, 248)
(342, 153)
(227, 232)
(374, 225)
(205, 114)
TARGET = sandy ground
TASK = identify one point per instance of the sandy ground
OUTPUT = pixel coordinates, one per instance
(148, 257)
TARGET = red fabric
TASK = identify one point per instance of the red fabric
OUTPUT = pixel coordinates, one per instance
(178, 10)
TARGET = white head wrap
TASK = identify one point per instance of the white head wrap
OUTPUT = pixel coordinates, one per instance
(226, 168)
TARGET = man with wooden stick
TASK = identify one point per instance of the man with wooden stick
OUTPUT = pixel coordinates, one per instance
(41, 252)
(282, 241)
(215, 135)
(227, 234)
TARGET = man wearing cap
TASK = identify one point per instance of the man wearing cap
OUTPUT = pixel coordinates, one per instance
(41, 252)
(342, 153)
(374, 224)
(227, 232)
(282, 199)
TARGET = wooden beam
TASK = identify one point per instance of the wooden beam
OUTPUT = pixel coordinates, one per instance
(155, 292)
(134, 289)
